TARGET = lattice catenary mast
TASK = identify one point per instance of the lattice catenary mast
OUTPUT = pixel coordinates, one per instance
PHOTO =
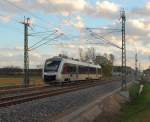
(136, 67)
(26, 55)
(124, 79)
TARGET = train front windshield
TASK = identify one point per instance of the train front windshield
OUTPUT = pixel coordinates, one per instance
(51, 66)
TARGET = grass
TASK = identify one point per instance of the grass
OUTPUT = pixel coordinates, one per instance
(138, 110)
(18, 80)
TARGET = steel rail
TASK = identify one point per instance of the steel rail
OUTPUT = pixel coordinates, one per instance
(20, 89)
(13, 100)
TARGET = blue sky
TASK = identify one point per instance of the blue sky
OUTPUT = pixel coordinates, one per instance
(70, 18)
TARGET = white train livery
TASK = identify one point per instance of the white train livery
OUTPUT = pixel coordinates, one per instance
(59, 69)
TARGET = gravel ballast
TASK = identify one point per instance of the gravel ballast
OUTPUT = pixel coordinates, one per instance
(43, 109)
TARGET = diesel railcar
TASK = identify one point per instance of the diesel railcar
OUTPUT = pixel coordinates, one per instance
(59, 69)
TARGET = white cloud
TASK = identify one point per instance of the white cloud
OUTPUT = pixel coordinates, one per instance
(106, 6)
(147, 6)
(78, 22)
(15, 0)
(5, 19)
(42, 1)
(104, 9)
(75, 4)
(14, 57)
(140, 24)
(78, 18)
(107, 9)
(61, 6)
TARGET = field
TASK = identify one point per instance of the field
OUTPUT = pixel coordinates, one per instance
(138, 110)
(18, 80)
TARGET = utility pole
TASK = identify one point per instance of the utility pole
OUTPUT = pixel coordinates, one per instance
(26, 56)
(139, 74)
(124, 82)
(136, 67)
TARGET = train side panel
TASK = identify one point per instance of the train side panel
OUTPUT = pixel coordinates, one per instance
(72, 72)
(63, 70)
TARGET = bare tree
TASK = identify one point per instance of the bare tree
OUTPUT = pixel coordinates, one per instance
(91, 53)
(88, 55)
(81, 56)
(111, 58)
(105, 55)
(63, 55)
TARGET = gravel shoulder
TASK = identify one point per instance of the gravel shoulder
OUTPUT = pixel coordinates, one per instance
(44, 109)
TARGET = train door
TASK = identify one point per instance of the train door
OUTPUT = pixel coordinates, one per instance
(77, 72)
(72, 68)
(96, 73)
(69, 72)
(65, 72)
(88, 72)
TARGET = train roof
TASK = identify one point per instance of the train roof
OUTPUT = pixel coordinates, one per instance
(74, 62)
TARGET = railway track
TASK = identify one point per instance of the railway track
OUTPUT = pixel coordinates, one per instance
(20, 89)
(42, 92)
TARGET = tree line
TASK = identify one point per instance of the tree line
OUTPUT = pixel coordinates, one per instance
(106, 61)
(12, 70)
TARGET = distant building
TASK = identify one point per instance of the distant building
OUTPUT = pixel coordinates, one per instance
(117, 71)
(147, 73)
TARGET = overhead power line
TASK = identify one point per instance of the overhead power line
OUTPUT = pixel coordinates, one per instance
(40, 26)
(95, 35)
(31, 34)
(107, 42)
(43, 39)
(44, 32)
(32, 14)
(102, 28)
(108, 33)
(27, 11)
(77, 44)
(33, 48)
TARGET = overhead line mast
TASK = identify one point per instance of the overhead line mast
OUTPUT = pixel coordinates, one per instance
(124, 78)
(26, 55)
(136, 67)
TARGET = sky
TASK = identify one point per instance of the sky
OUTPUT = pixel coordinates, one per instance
(61, 27)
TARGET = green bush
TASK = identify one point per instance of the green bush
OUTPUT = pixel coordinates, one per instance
(107, 70)
(133, 91)
(138, 110)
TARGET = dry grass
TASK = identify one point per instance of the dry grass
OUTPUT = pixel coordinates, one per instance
(18, 80)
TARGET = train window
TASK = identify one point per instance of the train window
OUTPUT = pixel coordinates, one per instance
(72, 68)
(51, 65)
(83, 70)
(69, 68)
(92, 70)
